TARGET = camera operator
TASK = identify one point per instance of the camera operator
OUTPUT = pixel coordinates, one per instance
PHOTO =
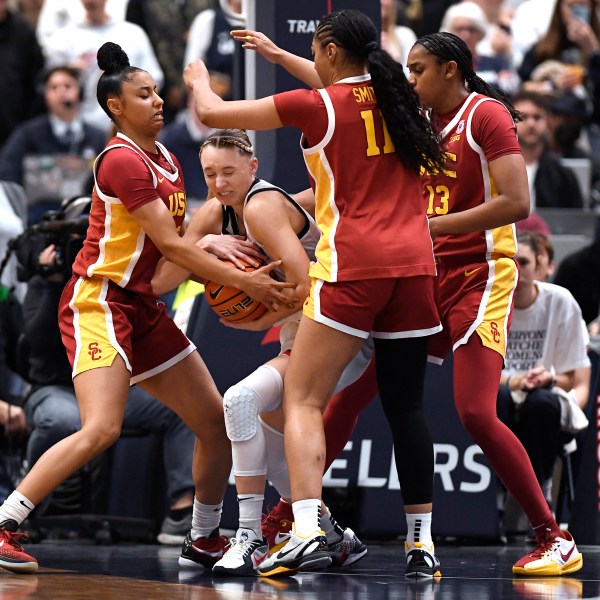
(51, 407)
(13, 426)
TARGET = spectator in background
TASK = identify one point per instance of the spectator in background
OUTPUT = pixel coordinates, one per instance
(185, 136)
(550, 184)
(13, 427)
(530, 22)
(396, 40)
(498, 40)
(210, 41)
(468, 22)
(20, 65)
(425, 16)
(60, 131)
(572, 38)
(546, 345)
(167, 23)
(56, 14)
(30, 10)
(76, 45)
(568, 118)
(579, 272)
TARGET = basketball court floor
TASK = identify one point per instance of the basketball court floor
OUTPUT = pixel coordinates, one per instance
(82, 571)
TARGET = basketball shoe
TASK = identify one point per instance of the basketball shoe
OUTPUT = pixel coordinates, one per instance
(203, 552)
(553, 555)
(421, 560)
(12, 555)
(299, 553)
(348, 550)
(245, 553)
(277, 526)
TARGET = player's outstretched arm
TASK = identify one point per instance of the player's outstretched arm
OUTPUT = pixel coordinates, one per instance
(301, 68)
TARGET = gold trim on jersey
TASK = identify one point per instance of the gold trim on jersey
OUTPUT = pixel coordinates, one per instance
(493, 327)
(95, 339)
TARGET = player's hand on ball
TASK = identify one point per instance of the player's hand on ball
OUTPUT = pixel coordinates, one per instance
(262, 287)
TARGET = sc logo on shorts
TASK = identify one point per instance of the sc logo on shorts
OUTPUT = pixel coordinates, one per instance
(94, 351)
(495, 332)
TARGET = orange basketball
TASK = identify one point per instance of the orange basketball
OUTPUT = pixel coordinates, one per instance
(232, 304)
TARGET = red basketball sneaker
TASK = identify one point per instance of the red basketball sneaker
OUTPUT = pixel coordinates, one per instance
(204, 551)
(12, 555)
(277, 526)
(553, 555)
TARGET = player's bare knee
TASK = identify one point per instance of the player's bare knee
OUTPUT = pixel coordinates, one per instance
(102, 437)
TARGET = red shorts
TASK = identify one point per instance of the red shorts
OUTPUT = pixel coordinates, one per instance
(474, 297)
(392, 308)
(99, 320)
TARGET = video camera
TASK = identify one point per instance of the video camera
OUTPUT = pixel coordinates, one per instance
(65, 228)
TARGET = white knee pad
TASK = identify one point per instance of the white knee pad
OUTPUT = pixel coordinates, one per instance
(277, 469)
(250, 457)
(260, 392)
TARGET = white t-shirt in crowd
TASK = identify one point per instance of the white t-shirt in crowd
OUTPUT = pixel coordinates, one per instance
(80, 42)
(547, 333)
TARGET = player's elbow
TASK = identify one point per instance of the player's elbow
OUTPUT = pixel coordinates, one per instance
(521, 207)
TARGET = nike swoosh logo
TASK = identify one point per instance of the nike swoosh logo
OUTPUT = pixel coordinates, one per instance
(469, 273)
(1, 543)
(213, 295)
(161, 179)
(566, 556)
(258, 560)
(282, 553)
(25, 505)
(281, 537)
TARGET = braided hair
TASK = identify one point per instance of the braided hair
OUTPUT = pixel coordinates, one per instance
(446, 47)
(228, 138)
(414, 140)
(115, 64)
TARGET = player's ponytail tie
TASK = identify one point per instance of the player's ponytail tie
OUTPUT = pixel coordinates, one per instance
(370, 47)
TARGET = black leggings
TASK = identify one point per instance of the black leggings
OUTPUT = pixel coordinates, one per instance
(400, 365)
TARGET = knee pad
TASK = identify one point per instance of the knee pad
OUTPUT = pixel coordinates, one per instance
(277, 469)
(259, 392)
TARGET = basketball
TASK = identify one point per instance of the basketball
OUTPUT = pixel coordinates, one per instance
(232, 304)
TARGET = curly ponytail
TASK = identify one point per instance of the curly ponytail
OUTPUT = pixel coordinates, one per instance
(414, 140)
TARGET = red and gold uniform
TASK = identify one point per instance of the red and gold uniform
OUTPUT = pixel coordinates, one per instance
(476, 271)
(108, 307)
(369, 213)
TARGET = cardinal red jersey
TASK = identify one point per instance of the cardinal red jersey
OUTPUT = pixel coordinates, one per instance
(116, 247)
(368, 205)
(474, 134)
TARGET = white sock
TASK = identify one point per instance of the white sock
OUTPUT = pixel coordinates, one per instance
(250, 506)
(16, 507)
(419, 528)
(205, 519)
(306, 516)
(329, 525)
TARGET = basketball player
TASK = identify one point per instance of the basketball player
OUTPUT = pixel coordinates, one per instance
(267, 217)
(363, 155)
(472, 204)
(114, 328)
